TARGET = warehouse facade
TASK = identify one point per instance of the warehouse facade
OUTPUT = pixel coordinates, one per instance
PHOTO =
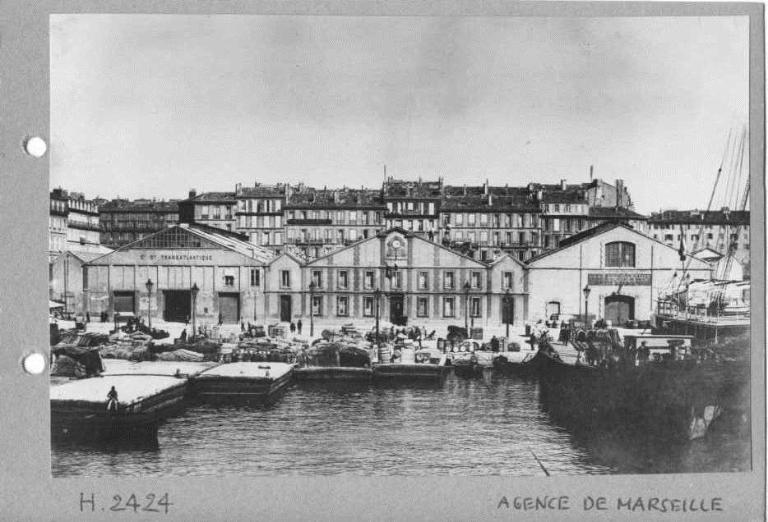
(181, 273)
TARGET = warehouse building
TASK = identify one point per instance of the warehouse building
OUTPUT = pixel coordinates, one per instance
(182, 273)
(610, 271)
(416, 281)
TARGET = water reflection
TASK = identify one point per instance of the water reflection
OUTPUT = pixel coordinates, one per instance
(489, 426)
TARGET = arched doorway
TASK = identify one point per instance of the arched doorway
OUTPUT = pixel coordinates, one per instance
(619, 309)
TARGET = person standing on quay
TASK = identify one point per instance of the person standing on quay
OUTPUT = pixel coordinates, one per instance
(298, 326)
(293, 327)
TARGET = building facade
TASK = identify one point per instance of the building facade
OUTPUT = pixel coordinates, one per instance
(625, 273)
(724, 231)
(73, 223)
(318, 222)
(416, 281)
(226, 271)
(214, 209)
(413, 205)
(259, 214)
(123, 221)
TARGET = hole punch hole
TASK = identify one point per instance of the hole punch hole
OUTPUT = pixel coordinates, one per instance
(35, 146)
(34, 363)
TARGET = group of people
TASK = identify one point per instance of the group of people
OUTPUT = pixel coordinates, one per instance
(296, 327)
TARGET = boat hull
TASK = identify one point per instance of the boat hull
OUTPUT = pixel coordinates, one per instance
(217, 388)
(88, 421)
(333, 373)
(412, 372)
(673, 400)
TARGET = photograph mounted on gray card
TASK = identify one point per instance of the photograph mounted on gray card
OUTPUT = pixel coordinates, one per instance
(324, 245)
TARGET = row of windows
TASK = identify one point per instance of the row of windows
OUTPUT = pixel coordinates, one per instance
(567, 208)
(339, 217)
(495, 220)
(422, 306)
(260, 222)
(402, 207)
(396, 281)
(261, 205)
(509, 238)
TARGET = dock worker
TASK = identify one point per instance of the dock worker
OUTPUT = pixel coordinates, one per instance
(293, 327)
(112, 400)
(643, 352)
(298, 326)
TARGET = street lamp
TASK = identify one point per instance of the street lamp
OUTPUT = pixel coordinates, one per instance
(586, 292)
(377, 297)
(507, 301)
(312, 308)
(149, 285)
(466, 307)
(194, 290)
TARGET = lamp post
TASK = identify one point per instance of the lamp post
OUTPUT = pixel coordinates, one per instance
(377, 298)
(507, 301)
(312, 308)
(149, 285)
(586, 292)
(466, 307)
(194, 290)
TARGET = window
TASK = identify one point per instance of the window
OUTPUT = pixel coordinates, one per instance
(448, 307)
(255, 277)
(422, 307)
(423, 280)
(483, 219)
(459, 219)
(229, 280)
(553, 308)
(367, 306)
(507, 280)
(285, 278)
(474, 307)
(343, 279)
(470, 219)
(620, 254)
(85, 276)
(475, 279)
(397, 280)
(317, 278)
(369, 280)
(448, 281)
(341, 306)
(317, 305)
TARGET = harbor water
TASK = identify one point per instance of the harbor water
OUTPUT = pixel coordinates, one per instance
(490, 426)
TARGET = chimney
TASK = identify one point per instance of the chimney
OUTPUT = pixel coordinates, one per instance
(192, 193)
(485, 187)
(465, 189)
(539, 194)
(618, 192)
(490, 199)
(238, 188)
(563, 185)
(591, 172)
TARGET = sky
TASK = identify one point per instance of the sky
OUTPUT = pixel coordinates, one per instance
(155, 105)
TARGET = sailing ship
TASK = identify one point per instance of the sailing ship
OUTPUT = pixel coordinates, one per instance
(720, 306)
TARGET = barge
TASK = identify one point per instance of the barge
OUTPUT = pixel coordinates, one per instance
(422, 365)
(657, 384)
(80, 409)
(246, 381)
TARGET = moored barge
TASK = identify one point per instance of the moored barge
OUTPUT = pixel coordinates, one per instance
(80, 409)
(246, 381)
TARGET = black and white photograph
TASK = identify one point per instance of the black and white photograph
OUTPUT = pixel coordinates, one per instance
(294, 245)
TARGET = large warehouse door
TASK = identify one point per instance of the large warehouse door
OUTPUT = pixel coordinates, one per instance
(125, 302)
(229, 308)
(619, 309)
(178, 305)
